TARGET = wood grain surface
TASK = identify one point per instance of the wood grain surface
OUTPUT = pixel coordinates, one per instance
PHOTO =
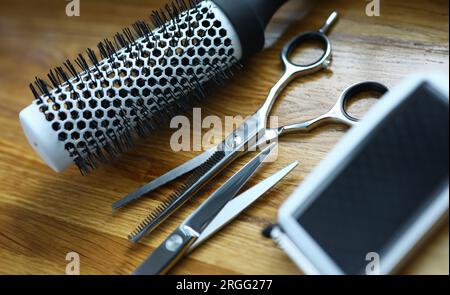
(45, 215)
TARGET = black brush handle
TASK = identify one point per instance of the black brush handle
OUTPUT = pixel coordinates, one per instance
(250, 19)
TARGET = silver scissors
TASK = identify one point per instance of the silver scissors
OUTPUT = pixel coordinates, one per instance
(252, 134)
(219, 209)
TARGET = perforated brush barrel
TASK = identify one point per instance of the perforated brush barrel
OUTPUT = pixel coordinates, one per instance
(143, 78)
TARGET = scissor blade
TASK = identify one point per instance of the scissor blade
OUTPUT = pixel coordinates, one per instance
(242, 202)
(176, 245)
(201, 217)
(167, 177)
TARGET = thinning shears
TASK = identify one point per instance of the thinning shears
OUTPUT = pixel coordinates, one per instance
(220, 208)
(252, 134)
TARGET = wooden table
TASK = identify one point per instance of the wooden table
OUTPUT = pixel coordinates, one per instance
(44, 215)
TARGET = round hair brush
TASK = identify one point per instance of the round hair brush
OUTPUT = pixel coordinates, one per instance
(90, 110)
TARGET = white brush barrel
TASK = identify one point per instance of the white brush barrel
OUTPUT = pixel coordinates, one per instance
(43, 139)
(50, 137)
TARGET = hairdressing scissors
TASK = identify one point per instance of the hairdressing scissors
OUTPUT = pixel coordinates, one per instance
(220, 208)
(252, 134)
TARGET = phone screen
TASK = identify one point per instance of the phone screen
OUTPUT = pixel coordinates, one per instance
(389, 180)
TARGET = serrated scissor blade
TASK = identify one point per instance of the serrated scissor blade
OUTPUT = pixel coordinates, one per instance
(167, 177)
(177, 198)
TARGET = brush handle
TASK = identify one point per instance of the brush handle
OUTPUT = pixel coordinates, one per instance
(250, 19)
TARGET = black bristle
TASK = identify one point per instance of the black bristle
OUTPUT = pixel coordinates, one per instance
(107, 49)
(84, 66)
(82, 63)
(193, 4)
(71, 69)
(36, 95)
(102, 49)
(181, 5)
(131, 39)
(54, 80)
(62, 74)
(121, 42)
(138, 29)
(94, 61)
(173, 12)
(93, 57)
(44, 88)
(155, 19)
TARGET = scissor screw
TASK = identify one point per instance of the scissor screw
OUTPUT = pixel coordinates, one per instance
(174, 242)
(237, 140)
(234, 141)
